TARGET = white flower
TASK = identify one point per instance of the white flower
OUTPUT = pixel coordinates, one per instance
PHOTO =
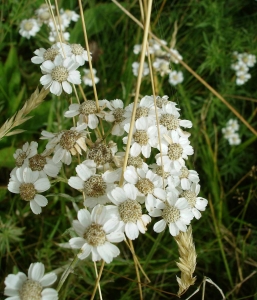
(70, 15)
(78, 54)
(96, 234)
(174, 150)
(43, 13)
(177, 55)
(66, 143)
(115, 115)
(248, 59)
(240, 67)
(175, 77)
(87, 78)
(162, 65)
(148, 184)
(228, 131)
(243, 78)
(28, 184)
(29, 28)
(50, 53)
(234, 139)
(233, 124)
(20, 287)
(144, 137)
(65, 22)
(196, 204)
(87, 112)
(58, 75)
(135, 67)
(186, 177)
(129, 210)
(27, 151)
(175, 213)
(95, 186)
(54, 36)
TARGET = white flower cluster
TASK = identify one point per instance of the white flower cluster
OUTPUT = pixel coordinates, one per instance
(166, 190)
(230, 132)
(242, 63)
(34, 286)
(161, 63)
(30, 27)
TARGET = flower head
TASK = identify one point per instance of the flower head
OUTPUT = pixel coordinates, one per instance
(29, 28)
(21, 287)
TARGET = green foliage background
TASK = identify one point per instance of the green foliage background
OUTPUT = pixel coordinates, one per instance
(226, 236)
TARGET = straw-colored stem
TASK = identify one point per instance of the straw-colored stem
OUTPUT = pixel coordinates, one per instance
(98, 280)
(99, 287)
(137, 271)
(211, 89)
(67, 272)
(139, 79)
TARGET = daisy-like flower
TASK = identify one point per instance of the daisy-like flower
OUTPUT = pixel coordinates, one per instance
(186, 177)
(175, 77)
(87, 78)
(175, 150)
(28, 184)
(242, 78)
(29, 28)
(129, 210)
(175, 213)
(58, 75)
(233, 124)
(227, 132)
(102, 154)
(248, 59)
(34, 286)
(66, 143)
(54, 36)
(27, 151)
(240, 67)
(96, 231)
(78, 54)
(87, 112)
(234, 139)
(114, 115)
(148, 184)
(145, 136)
(43, 13)
(135, 67)
(196, 204)
(162, 65)
(169, 118)
(65, 22)
(95, 186)
(160, 101)
(50, 53)
(173, 58)
(70, 14)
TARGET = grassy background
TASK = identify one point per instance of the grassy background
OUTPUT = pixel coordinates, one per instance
(226, 235)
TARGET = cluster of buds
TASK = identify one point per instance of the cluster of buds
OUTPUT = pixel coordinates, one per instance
(242, 63)
(230, 132)
(161, 63)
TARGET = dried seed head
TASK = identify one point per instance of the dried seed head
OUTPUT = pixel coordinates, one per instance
(170, 214)
(118, 115)
(130, 211)
(95, 186)
(68, 139)
(77, 49)
(88, 107)
(145, 186)
(101, 154)
(184, 172)
(59, 74)
(50, 54)
(142, 112)
(95, 235)
(141, 137)
(136, 161)
(20, 159)
(190, 196)
(31, 290)
(169, 121)
(175, 151)
(37, 162)
(27, 191)
(160, 173)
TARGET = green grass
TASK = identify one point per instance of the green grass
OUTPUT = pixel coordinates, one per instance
(226, 235)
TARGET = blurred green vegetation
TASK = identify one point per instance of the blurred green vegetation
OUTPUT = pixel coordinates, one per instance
(226, 236)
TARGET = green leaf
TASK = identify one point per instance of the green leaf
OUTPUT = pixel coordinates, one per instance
(6, 157)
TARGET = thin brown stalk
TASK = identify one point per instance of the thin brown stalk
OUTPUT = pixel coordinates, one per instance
(21, 116)
(187, 260)
(99, 287)
(97, 280)
(211, 89)
(137, 271)
(139, 79)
